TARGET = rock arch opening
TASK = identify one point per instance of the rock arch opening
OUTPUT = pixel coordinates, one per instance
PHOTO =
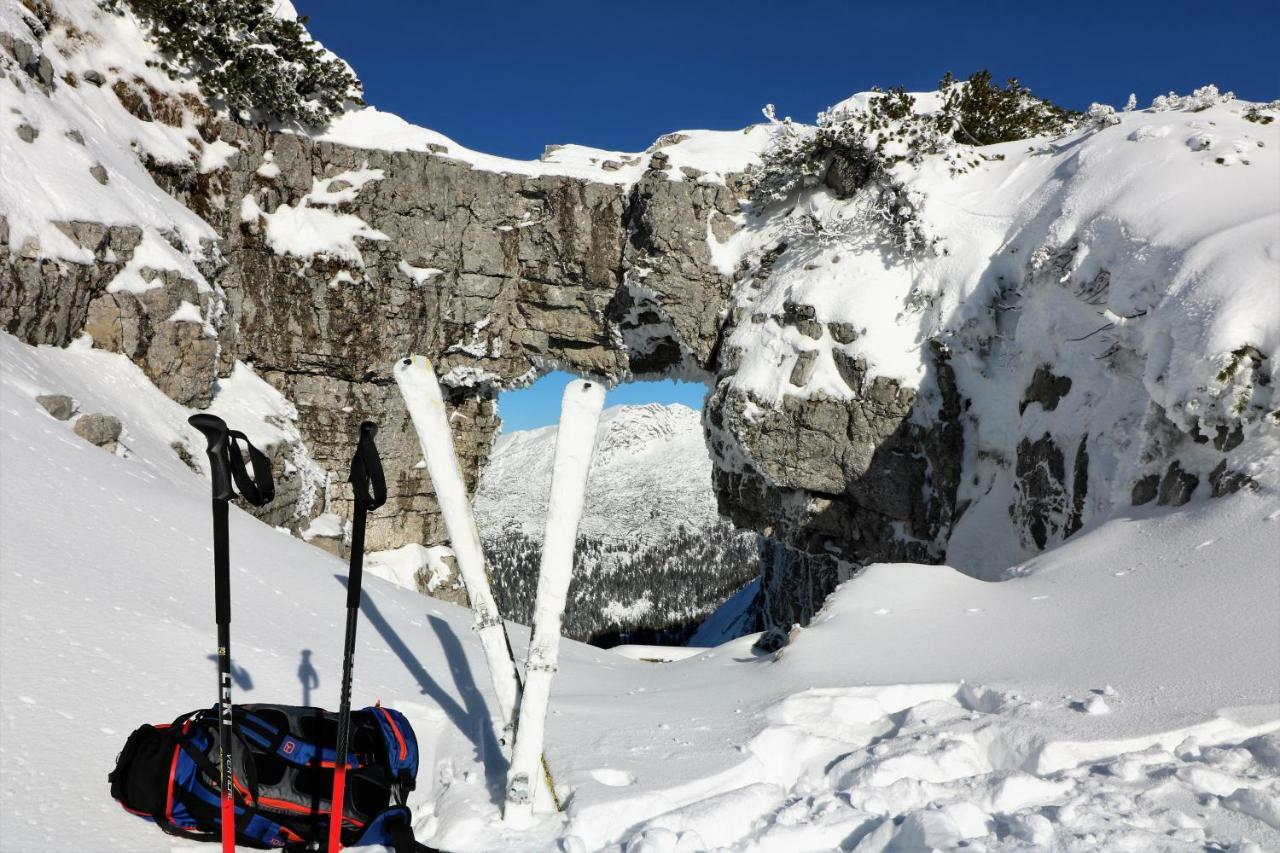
(654, 556)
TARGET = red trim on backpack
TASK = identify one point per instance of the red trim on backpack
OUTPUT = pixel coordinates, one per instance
(135, 811)
(173, 775)
(404, 749)
(248, 798)
(286, 806)
(168, 797)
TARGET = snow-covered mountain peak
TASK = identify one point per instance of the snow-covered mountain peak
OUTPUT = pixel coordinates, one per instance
(651, 472)
(636, 426)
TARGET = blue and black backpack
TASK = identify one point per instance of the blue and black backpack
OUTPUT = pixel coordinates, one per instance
(283, 776)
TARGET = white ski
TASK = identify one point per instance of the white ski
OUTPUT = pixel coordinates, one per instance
(422, 397)
(575, 446)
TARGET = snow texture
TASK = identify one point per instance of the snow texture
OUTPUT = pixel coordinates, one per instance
(710, 154)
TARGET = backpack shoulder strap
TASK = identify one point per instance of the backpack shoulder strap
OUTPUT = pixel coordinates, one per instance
(394, 827)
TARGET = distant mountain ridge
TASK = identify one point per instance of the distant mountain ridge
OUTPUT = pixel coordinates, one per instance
(651, 472)
(654, 555)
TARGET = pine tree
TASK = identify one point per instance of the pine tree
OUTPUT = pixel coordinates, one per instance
(259, 67)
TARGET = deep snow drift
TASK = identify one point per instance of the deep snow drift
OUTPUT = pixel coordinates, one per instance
(1116, 692)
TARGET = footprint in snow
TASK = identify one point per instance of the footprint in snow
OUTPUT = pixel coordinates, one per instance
(613, 778)
(1205, 544)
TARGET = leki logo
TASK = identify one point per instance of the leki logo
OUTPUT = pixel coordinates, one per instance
(288, 747)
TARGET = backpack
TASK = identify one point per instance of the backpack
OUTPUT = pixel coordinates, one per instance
(283, 776)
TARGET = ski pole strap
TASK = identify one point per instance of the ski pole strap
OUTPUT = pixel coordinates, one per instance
(367, 480)
(260, 488)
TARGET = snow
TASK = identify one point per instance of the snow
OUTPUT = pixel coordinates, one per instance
(327, 524)
(402, 565)
(310, 228)
(216, 155)
(419, 275)
(655, 654)
(951, 714)
(269, 168)
(112, 137)
(153, 255)
(713, 152)
(1203, 228)
(304, 231)
(575, 447)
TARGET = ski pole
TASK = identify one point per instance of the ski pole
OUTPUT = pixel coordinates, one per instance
(224, 468)
(370, 489)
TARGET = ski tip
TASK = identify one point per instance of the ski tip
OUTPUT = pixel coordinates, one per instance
(587, 391)
(409, 365)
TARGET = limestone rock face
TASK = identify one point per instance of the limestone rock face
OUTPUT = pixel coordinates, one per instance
(490, 275)
(670, 308)
(497, 278)
(838, 483)
(46, 301)
(178, 353)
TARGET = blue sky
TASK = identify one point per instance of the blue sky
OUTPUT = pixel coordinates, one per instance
(539, 404)
(511, 77)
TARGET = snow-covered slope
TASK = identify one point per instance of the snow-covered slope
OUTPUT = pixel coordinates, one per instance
(654, 554)
(1108, 301)
(1113, 694)
(80, 125)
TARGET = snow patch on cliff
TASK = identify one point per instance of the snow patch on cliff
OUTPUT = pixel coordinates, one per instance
(80, 127)
(712, 154)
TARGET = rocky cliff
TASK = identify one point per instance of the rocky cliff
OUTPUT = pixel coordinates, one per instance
(862, 402)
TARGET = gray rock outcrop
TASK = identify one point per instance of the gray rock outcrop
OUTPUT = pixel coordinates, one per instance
(59, 406)
(99, 429)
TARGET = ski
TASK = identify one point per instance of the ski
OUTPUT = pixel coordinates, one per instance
(575, 447)
(369, 488)
(227, 472)
(418, 385)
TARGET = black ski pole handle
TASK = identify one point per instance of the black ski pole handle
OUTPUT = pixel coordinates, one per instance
(367, 480)
(227, 468)
(214, 429)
